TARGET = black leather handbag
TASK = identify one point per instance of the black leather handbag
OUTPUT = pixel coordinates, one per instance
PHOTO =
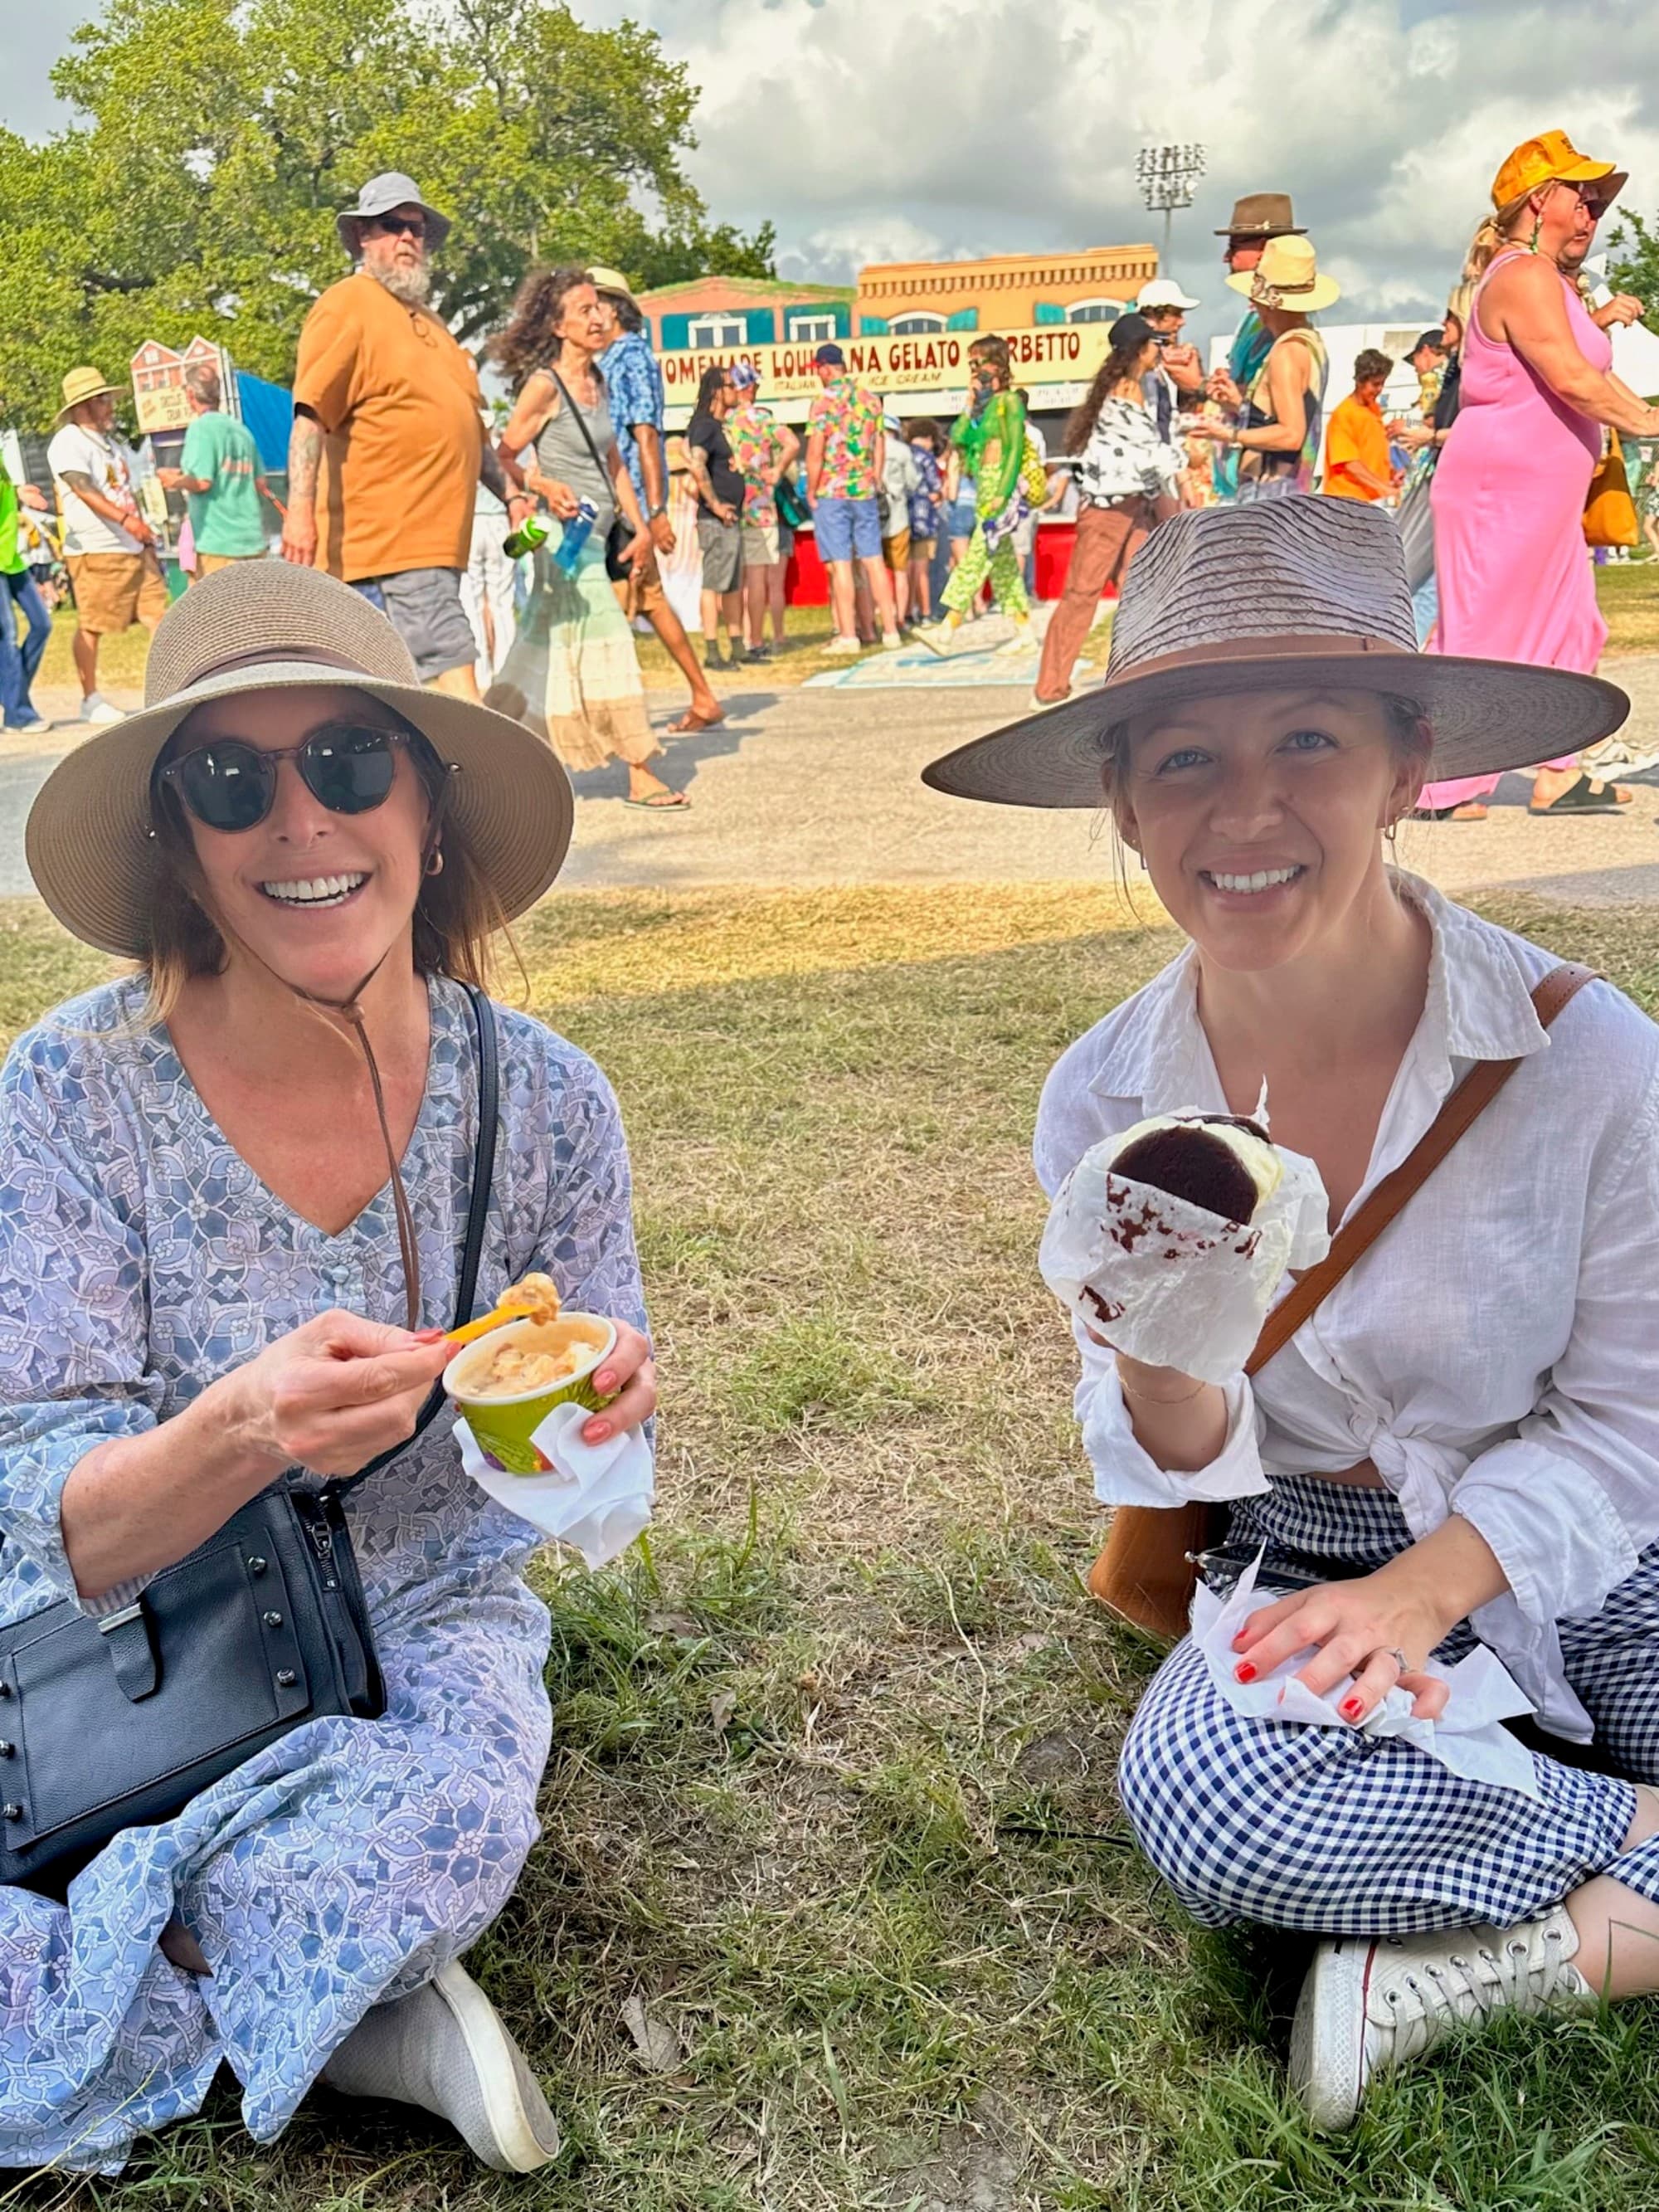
(118, 1722)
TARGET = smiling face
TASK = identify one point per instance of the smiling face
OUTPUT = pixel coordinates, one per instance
(318, 897)
(1258, 816)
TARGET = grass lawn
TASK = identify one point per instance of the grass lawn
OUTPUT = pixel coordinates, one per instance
(1629, 595)
(831, 1811)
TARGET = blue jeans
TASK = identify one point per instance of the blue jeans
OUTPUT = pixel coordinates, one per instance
(846, 527)
(18, 662)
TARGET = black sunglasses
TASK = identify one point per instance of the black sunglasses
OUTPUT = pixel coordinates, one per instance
(398, 226)
(230, 785)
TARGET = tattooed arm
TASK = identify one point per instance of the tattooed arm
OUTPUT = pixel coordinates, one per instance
(305, 454)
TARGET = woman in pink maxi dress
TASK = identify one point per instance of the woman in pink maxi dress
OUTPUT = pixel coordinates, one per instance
(1516, 579)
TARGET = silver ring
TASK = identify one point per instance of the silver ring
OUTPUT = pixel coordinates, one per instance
(1394, 1652)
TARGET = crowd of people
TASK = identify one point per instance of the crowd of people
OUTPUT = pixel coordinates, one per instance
(254, 1186)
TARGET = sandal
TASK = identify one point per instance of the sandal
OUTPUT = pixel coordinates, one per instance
(661, 802)
(1467, 810)
(688, 724)
(1587, 795)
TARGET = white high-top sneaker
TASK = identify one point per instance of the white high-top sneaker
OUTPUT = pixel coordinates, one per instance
(1373, 2002)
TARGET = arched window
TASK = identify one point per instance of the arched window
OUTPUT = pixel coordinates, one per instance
(1094, 311)
(918, 323)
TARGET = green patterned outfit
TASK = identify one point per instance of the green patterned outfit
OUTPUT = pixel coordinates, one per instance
(998, 508)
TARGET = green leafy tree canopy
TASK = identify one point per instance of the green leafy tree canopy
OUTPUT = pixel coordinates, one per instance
(213, 141)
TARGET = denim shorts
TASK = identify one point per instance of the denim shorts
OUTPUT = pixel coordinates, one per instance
(847, 529)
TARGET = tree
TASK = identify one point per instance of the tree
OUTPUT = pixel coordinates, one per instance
(213, 142)
(1637, 269)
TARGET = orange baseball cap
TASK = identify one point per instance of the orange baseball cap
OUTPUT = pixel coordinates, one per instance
(1552, 158)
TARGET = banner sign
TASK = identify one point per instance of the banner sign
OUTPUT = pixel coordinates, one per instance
(1059, 353)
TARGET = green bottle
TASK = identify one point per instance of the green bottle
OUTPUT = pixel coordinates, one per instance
(530, 533)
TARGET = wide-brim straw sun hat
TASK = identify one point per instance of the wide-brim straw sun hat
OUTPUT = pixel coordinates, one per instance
(1298, 593)
(261, 626)
(1287, 275)
(82, 385)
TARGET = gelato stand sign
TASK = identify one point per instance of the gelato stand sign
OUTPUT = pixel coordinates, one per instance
(1061, 353)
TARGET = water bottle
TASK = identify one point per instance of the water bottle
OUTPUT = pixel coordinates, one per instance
(577, 532)
(530, 533)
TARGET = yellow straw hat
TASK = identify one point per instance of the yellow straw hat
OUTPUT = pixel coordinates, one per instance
(1287, 275)
(251, 628)
(83, 384)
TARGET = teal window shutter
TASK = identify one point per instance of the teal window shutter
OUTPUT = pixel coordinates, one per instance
(873, 326)
(675, 330)
(843, 320)
(1045, 311)
(965, 318)
(762, 325)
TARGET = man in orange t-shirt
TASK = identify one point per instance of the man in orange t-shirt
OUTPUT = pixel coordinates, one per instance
(388, 448)
(1356, 463)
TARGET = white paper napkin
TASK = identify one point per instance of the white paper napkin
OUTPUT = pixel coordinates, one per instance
(1164, 1280)
(596, 1498)
(1468, 1738)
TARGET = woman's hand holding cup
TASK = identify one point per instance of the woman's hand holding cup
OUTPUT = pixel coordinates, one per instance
(628, 1379)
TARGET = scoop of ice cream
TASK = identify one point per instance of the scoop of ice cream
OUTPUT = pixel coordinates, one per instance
(1221, 1163)
(1170, 1240)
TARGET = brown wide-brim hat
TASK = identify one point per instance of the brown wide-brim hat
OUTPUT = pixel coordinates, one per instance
(1301, 592)
(261, 626)
(1263, 214)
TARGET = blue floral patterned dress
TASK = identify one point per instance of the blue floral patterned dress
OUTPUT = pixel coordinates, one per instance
(140, 1257)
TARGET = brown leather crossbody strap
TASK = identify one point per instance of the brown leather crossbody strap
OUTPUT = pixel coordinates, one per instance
(1470, 1098)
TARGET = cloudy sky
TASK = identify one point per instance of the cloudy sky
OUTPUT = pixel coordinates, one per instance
(867, 130)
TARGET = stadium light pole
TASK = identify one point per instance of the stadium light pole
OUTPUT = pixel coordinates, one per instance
(1166, 175)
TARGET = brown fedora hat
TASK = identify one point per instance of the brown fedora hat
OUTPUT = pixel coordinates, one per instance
(252, 626)
(1277, 594)
(1263, 214)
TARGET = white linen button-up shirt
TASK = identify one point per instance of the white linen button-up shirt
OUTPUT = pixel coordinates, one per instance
(1496, 1352)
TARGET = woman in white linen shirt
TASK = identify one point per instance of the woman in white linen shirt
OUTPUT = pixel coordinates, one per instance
(1125, 484)
(1486, 1364)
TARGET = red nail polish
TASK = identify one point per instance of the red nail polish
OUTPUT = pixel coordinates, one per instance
(1241, 1639)
(1351, 1706)
(602, 1383)
(1244, 1671)
(596, 1432)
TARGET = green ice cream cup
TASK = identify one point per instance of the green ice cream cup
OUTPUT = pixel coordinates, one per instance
(504, 1424)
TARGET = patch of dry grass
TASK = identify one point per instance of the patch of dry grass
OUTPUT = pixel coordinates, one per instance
(831, 1796)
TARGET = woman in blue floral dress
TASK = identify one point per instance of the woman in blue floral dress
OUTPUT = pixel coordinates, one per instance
(202, 1286)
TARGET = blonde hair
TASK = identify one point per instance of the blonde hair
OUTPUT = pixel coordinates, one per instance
(1491, 237)
(458, 915)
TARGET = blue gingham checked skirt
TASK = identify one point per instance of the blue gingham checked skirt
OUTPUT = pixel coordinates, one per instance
(1345, 1834)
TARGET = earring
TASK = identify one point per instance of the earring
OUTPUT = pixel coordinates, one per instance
(435, 865)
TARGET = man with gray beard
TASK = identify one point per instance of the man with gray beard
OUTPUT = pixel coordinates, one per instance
(388, 448)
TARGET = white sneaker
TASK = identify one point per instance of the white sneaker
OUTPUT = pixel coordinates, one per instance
(892, 641)
(844, 647)
(443, 2048)
(97, 708)
(938, 636)
(1370, 2002)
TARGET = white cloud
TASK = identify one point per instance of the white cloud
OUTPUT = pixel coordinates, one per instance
(866, 130)
(862, 132)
